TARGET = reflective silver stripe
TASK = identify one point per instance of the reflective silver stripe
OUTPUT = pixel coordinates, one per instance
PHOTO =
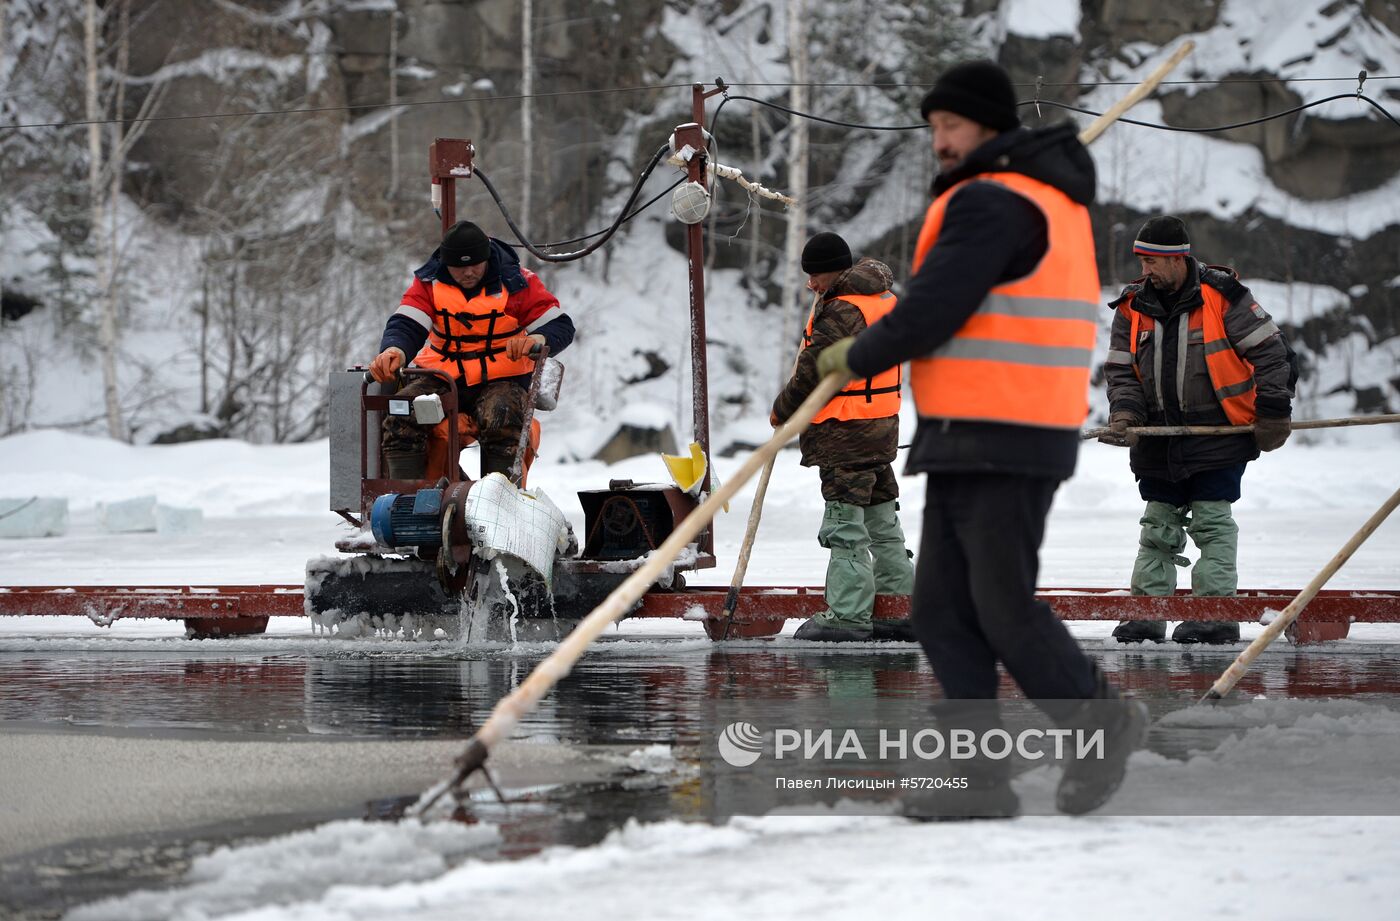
(1045, 356)
(1157, 364)
(1235, 390)
(1261, 332)
(1118, 357)
(550, 314)
(1183, 342)
(414, 314)
(1039, 308)
(1217, 345)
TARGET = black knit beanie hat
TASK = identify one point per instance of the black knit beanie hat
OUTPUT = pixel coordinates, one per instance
(1164, 235)
(979, 90)
(465, 244)
(826, 252)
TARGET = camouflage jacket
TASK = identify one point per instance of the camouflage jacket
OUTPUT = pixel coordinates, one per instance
(836, 444)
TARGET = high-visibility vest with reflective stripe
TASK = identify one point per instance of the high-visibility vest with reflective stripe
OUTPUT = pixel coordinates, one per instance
(468, 337)
(1231, 376)
(873, 397)
(1024, 355)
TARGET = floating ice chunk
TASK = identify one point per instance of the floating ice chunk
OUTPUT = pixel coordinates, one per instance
(33, 517)
(176, 521)
(127, 516)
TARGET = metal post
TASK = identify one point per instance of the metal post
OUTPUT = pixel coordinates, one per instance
(694, 135)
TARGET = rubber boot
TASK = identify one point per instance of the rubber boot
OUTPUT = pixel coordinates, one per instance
(496, 458)
(988, 793)
(1160, 543)
(405, 466)
(894, 567)
(850, 578)
(1215, 534)
(1089, 782)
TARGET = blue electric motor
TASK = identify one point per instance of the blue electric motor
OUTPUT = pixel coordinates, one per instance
(408, 519)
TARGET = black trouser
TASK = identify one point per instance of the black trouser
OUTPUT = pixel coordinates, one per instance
(974, 591)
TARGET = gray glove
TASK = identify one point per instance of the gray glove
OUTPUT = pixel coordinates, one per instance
(1270, 434)
(1119, 423)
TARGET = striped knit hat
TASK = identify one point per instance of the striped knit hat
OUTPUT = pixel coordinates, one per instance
(1162, 236)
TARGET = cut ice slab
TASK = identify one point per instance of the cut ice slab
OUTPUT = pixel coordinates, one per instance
(523, 523)
(129, 516)
(33, 517)
(175, 521)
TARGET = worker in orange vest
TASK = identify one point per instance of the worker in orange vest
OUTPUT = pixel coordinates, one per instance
(475, 314)
(852, 442)
(1191, 346)
(998, 322)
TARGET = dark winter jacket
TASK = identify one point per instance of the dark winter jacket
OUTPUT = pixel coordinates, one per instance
(1177, 390)
(408, 327)
(990, 236)
(836, 444)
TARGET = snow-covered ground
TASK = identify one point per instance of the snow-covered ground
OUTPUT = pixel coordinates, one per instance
(265, 515)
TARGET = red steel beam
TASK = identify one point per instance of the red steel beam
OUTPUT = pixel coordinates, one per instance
(172, 602)
(757, 603)
(768, 603)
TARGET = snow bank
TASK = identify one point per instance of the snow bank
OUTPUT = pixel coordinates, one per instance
(299, 867)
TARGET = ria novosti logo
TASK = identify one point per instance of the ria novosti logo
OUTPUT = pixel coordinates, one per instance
(740, 744)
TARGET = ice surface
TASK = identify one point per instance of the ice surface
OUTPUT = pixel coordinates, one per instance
(128, 516)
(34, 516)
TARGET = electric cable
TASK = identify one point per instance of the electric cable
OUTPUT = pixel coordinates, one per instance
(604, 235)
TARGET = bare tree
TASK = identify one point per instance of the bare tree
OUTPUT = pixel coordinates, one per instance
(797, 182)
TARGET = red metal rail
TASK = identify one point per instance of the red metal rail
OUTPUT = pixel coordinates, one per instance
(212, 610)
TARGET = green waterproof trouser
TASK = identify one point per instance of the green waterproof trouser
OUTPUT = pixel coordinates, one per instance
(894, 565)
(1215, 534)
(850, 573)
(1160, 543)
(1164, 529)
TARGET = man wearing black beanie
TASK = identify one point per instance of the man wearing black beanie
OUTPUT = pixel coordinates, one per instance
(1191, 346)
(998, 323)
(475, 314)
(852, 442)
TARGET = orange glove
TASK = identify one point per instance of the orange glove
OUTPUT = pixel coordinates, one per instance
(386, 364)
(520, 346)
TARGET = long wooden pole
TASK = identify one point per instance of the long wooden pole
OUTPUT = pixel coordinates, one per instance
(741, 566)
(1166, 430)
(1288, 615)
(1138, 93)
(560, 662)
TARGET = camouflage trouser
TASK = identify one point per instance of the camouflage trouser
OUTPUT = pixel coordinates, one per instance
(863, 485)
(497, 408)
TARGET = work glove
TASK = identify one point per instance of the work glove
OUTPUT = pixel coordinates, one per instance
(1270, 433)
(386, 364)
(518, 347)
(832, 359)
(1118, 434)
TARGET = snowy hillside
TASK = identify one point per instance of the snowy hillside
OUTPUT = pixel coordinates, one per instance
(235, 302)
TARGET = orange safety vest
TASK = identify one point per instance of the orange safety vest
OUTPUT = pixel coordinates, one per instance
(467, 340)
(878, 397)
(1024, 355)
(1230, 375)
